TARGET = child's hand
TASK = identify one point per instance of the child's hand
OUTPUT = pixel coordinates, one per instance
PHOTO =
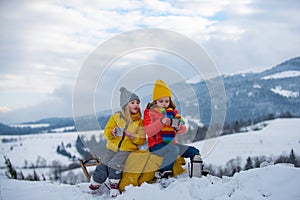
(114, 132)
(166, 121)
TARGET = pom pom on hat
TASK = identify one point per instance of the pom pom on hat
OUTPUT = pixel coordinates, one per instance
(160, 90)
(127, 96)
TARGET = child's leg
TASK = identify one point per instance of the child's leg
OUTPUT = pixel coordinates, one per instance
(187, 151)
(169, 152)
(101, 172)
(116, 164)
(115, 168)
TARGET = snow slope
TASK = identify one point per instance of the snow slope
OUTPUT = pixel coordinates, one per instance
(268, 183)
(30, 148)
(278, 137)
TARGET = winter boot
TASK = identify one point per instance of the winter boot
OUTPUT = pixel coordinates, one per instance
(163, 178)
(164, 174)
(114, 187)
(94, 185)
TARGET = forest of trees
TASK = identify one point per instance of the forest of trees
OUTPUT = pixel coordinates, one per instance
(234, 165)
(196, 133)
(229, 169)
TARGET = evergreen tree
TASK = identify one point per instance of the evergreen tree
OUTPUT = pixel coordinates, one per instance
(35, 176)
(248, 164)
(11, 170)
(292, 158)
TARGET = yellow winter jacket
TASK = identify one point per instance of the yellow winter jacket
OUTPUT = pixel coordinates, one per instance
(124, 143)
(141, 166)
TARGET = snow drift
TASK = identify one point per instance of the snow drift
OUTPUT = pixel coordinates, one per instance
(271, 182)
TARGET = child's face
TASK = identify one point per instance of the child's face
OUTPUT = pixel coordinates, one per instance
(134, 106)
(163, 102)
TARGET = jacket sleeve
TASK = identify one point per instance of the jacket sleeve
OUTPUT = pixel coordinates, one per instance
(111, 124)
(140, 136)
(152, 126)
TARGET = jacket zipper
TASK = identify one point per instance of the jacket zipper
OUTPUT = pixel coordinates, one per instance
(123, 136)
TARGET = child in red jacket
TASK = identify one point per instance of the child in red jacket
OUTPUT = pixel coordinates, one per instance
(162, 128)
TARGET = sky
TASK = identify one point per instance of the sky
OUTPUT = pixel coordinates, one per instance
(45, 44)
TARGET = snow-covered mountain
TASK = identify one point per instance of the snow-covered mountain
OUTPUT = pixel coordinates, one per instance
(250, 96)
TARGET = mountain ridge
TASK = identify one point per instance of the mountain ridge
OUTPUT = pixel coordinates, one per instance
(248, 96)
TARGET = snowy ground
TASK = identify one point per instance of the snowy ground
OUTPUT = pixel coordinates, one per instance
(277, 138)
(268, 183)
(273, 182)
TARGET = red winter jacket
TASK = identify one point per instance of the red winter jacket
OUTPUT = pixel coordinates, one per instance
(153, 127)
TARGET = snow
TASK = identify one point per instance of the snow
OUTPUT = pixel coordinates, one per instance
(194, 79)
(279, 181)
(278, 137)
(196, 121)
(274, 182)
(29, 125)
(63, 129)
(285, 74)
(256, 86)
(285, 93)
(29, 148)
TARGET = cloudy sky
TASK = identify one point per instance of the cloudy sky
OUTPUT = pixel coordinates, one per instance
(44, 44)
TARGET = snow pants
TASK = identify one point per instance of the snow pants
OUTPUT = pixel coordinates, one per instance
(111, 166)
(170, 152)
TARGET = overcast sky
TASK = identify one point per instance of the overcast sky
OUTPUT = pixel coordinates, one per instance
(44, 44)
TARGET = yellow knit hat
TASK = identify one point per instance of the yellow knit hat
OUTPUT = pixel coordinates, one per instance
(160, 90)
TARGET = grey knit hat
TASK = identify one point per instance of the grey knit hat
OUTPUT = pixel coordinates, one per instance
(127, 96)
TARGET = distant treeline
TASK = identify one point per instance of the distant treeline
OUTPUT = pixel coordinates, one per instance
(200, 133)
(234, 165)
(54, 123)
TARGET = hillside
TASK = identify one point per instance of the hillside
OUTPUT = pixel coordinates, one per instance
(251, 96)
(273, 182)
(277, 137)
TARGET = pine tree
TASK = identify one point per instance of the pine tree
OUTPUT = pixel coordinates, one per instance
(35, 176)
(11, 170)
(292, 158)
(248, 164)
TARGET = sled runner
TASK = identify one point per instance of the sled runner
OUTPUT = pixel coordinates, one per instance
(94, 161)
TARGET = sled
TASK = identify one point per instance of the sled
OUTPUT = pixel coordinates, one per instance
(93, 161)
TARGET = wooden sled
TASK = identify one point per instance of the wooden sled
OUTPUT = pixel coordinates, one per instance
(94, 161)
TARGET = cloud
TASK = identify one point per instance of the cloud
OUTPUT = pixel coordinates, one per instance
(264, 38)
(57, 104)
(44, 44)
(4, 109)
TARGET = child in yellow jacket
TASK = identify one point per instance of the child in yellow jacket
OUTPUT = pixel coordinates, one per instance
(124, 133)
